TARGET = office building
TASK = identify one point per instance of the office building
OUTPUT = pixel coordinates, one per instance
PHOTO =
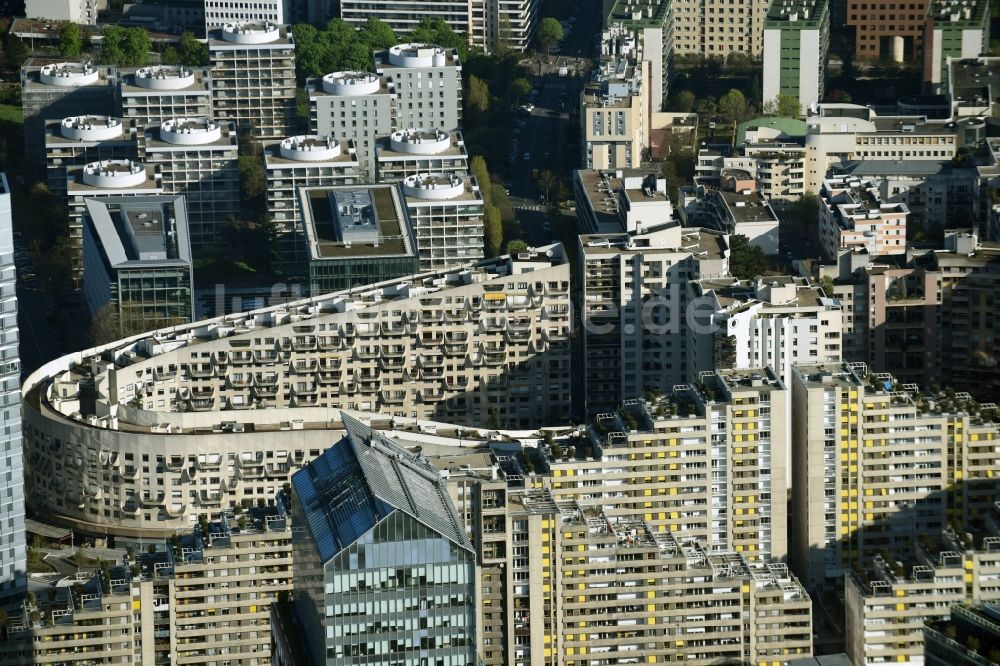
(137, 262)
(615, 107)
(634, 308)
(77, 140)
(151, 95)
(355, 106)
(198, 158)
(955, 29)
(629, 200)
(482, 343)
(653, 23)
(59, 90)
(356, 236)
(377, 519)
(733, 205)
(13, 560)
(849, 505)
(894, 29)
(220, 13)
(303, 161)
(713, 29)
(889, 602)
(81, 12)
(852, 215)
(946, 641)
(777, 322)
(796, 44)
(99, 180)
(427, 82)
(253, 78)
(446, 211)
(412, 151)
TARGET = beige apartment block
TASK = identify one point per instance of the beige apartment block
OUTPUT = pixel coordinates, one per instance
(876, 463)
(854, 215)
(716, 28)
(143, 435)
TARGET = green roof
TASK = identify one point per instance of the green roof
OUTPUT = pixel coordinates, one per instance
(635, 15)
(790, 126)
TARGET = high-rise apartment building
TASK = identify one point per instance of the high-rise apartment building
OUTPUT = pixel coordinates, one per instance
(77, 140)
(303, 161)
(13, 559)
(59, 90)
(403, 17)
(381, 563)
(733, 204)
(946, 641)
(652, 21)
(354, 106)
(137, 262)
(197, 157)
(427, 82)
(253, 78)
(220, 13)
(891, 29)
(446, 211)
(495, 25)
(356, 236)
(630, 200)
(955, 29)
(796, 44)
(634, 308)
(853, 215)
(485, 343)
(716, 29)
(412, 151)
(877, 463)
(151, 95)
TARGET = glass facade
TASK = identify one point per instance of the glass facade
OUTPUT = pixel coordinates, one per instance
(401, 594)
(327, 276)
(153, 298)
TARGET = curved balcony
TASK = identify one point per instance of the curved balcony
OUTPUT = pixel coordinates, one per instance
(392, 397)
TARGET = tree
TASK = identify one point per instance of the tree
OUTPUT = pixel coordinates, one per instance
(70, 40)
(377, 34)
(786, 106)
(192, 53)
(477, 95)
(515, 246)
(733, 105)
(550, 32)
(746, 261)
(477, 165)
(546, 181)
(516, 90)
(684, 101)
(17, 52)
(492, 230)
(125, 47)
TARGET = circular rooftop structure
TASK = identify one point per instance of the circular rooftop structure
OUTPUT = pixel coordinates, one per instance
(164, 77)
(69, 74)
(433, 186)
(418, 55)
(190, 131)
(114, 173)
(91, 128)
(250, 33)
(310, 148)
(420, 142)
(351, 83)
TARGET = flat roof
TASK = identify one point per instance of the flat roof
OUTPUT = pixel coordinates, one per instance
(284, 39)
(746, 208)
(975, 81)
(795, 13)
(952, 13)
(228, 139)
(76, 186)
(142, 230)
(828, 374)
(706, 243)
(638, 13)
(791, 127)
(273, 158)
(200, 85)
(456, 148)
(314, 87)
(319, 219)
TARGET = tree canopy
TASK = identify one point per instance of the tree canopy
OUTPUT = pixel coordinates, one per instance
(125, 47)
(70, 40)
(786, 106)
(733, 105)
(550, 32)
(746, 261)
(437, 31)
(339, 47)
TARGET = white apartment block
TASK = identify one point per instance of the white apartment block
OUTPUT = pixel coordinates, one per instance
(405, 15)
(634, 307)
(777, 167)
(850, 503)
(511, 24)
(354, 106)
(151, 95)
(13, 559)
(427, 82)
(219, 13)
(733, 205)
(234, 405)
(253, 78)
(82, 12)
(852, 215)
(77, 140)
(623, 200)
(775, 322)
(653, 23)
(447, 215)
(615, 107)
(107, 178)
(197, 157)
(304, 161)
(411, 151)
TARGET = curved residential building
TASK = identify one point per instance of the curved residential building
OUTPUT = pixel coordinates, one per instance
(140, 436)
(447, 215)
(151, 95)
(76, 140)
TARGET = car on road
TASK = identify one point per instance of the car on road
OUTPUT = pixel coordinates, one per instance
(529, 107)
(527, 157)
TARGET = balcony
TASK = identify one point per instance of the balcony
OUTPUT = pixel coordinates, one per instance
(392, 397)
